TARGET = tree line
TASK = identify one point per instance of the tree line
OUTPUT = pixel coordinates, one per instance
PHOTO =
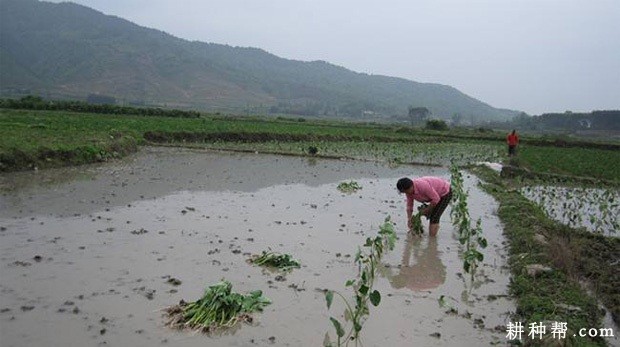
(595, 120)
(37, 103)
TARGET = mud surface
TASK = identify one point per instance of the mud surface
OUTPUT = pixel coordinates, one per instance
(91, 255)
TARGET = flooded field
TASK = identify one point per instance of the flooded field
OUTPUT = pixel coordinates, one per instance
(596, 210)
(87, 253)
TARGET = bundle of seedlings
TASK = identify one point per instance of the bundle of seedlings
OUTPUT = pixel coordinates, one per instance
(219, 307)
(279, 261)
(416, 221)
(349, 187)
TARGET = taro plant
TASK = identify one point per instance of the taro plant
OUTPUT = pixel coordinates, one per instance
(219, 307)
(469, 236)
(594, 209)
(349, 187)
(362, 286)
(275, 260)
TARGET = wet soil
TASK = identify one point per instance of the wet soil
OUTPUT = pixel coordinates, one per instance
(92, 255)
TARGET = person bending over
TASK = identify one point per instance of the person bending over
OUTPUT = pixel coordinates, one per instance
(428, 189)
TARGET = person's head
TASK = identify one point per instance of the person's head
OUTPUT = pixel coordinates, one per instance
(404, 184)
(513, 131)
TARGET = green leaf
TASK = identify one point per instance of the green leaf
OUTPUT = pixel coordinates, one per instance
(336, 323)
(357, 326)
(329, 297)
(375, 298)
(363, 289)
(466, 266)
(349, 283)
(442, 301)
(482, 242)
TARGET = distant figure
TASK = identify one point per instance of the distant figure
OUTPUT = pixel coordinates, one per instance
(513, 140)
(425, 273)
(434, 190)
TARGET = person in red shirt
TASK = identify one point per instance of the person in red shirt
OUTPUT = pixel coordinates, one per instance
(513, 140)
(428, 189)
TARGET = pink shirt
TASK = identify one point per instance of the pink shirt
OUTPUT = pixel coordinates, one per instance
(427, 189)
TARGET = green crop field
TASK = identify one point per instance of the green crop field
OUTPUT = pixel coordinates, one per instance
(585, 162)
(31, 138)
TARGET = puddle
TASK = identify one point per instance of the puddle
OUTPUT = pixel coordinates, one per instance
(90, 252)
(497, 167)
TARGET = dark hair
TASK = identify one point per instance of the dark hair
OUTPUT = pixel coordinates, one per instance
(403, 184)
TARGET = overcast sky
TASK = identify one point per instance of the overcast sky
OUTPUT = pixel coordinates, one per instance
(531, 55)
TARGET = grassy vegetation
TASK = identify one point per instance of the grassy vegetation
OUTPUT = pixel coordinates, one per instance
(585, 162)
(44, 138)
(35, 138)
(572, 255)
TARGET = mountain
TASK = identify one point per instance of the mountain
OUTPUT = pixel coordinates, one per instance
(67, 50)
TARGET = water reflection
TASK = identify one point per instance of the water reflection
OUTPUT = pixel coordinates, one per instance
(311, 161)
(425, 271)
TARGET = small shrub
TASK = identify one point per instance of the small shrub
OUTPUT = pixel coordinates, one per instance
(436, 124)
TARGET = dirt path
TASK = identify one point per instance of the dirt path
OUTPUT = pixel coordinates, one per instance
(86, 253)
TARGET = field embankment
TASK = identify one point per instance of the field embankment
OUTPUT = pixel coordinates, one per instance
(552, 265)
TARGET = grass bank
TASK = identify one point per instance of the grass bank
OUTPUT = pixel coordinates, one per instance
(570, 257)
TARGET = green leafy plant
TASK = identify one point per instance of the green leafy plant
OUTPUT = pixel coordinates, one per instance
(219, 307)
(416, 221)
(443, 303)
(362, 286)
(276, 260)
(349, 187)
(436, 124)
(469, 236)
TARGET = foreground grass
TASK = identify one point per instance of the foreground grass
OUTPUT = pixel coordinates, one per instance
(571, 254)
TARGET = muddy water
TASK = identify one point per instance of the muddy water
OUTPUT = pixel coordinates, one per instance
(86, 253)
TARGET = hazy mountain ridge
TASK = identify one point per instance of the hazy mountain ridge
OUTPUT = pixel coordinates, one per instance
(68, 50)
